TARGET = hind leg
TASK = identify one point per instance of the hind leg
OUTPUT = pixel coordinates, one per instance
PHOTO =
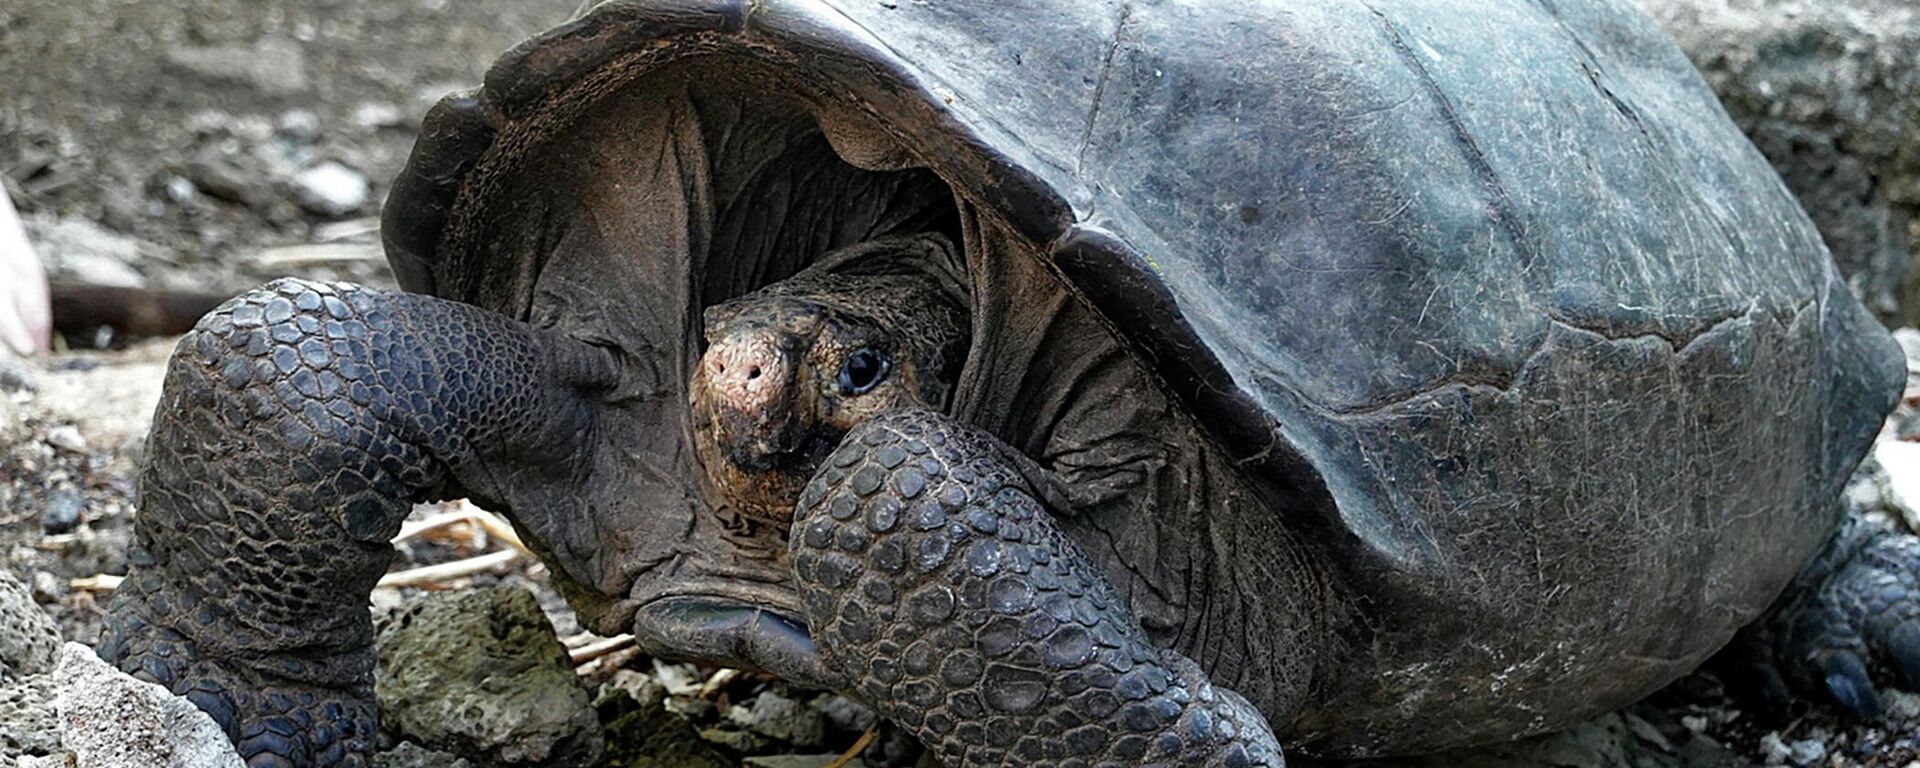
(298, 424)
(935, 579)
(1851, 617)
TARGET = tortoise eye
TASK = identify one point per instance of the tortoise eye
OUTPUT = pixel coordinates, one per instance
(863, 371)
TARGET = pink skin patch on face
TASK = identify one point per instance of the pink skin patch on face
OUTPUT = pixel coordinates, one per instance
(746, 372)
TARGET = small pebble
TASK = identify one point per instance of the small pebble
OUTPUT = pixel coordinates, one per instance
(374, 114)
(330, 189)
(48, 588)
(1807, 752)
(680, 679)
(298, 124)
(1776, 751)
(782, 718)
(62, 514)
(67, 438)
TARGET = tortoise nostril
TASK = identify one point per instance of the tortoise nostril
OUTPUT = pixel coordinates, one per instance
(753, 373)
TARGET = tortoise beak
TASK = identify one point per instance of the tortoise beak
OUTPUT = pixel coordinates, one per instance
(728, 632)
(757, 441)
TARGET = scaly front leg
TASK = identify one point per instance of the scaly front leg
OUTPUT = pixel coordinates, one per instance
(1853, 611)
(934, 579)
(299, 424)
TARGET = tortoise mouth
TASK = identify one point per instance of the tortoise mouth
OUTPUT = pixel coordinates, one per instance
(727, 631)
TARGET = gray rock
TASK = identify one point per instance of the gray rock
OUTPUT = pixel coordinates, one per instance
(230, 179)
(108, 719)
(481, 675)
(29, 724)
(640, 687)
(744, 742)
(330, 189)
(79, 250)
(16, 375)
(778, 717)
(411, 755)
(62, 514)
(1828, 90)
(48, 588)
(29, 640)
(271, 66)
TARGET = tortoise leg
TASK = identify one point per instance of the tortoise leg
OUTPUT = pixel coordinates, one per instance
(298, 424)
(933, 578)
(1852, 612)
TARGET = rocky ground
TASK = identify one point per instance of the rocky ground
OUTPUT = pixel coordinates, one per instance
(208, 145)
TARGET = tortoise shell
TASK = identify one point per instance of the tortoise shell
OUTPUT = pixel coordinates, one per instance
(1487, 299)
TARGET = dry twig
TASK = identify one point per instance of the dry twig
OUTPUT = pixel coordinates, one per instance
(435, 574)
(598, 648)
(719, 680)
(100, 583)
(854, 751)
(465, 512)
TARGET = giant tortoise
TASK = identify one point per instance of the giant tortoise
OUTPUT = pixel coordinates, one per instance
(1079, 383)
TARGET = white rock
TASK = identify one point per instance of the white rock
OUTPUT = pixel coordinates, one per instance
(330, 189)
(1776, 750)
(1900, 461)
(298, 124)
(376, 114)
(779, 717)
(1807, 752)
(67, 437)
(679, 679)
(82, 251)
(108, 719)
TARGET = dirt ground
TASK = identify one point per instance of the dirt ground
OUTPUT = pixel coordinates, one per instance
(213, 144)
(182, 127)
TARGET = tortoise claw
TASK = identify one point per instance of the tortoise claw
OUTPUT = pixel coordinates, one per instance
(1847, 682)
(1903, 650)
(1852, 618)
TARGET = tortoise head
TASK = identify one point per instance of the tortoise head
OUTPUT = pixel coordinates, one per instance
(791, 368)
